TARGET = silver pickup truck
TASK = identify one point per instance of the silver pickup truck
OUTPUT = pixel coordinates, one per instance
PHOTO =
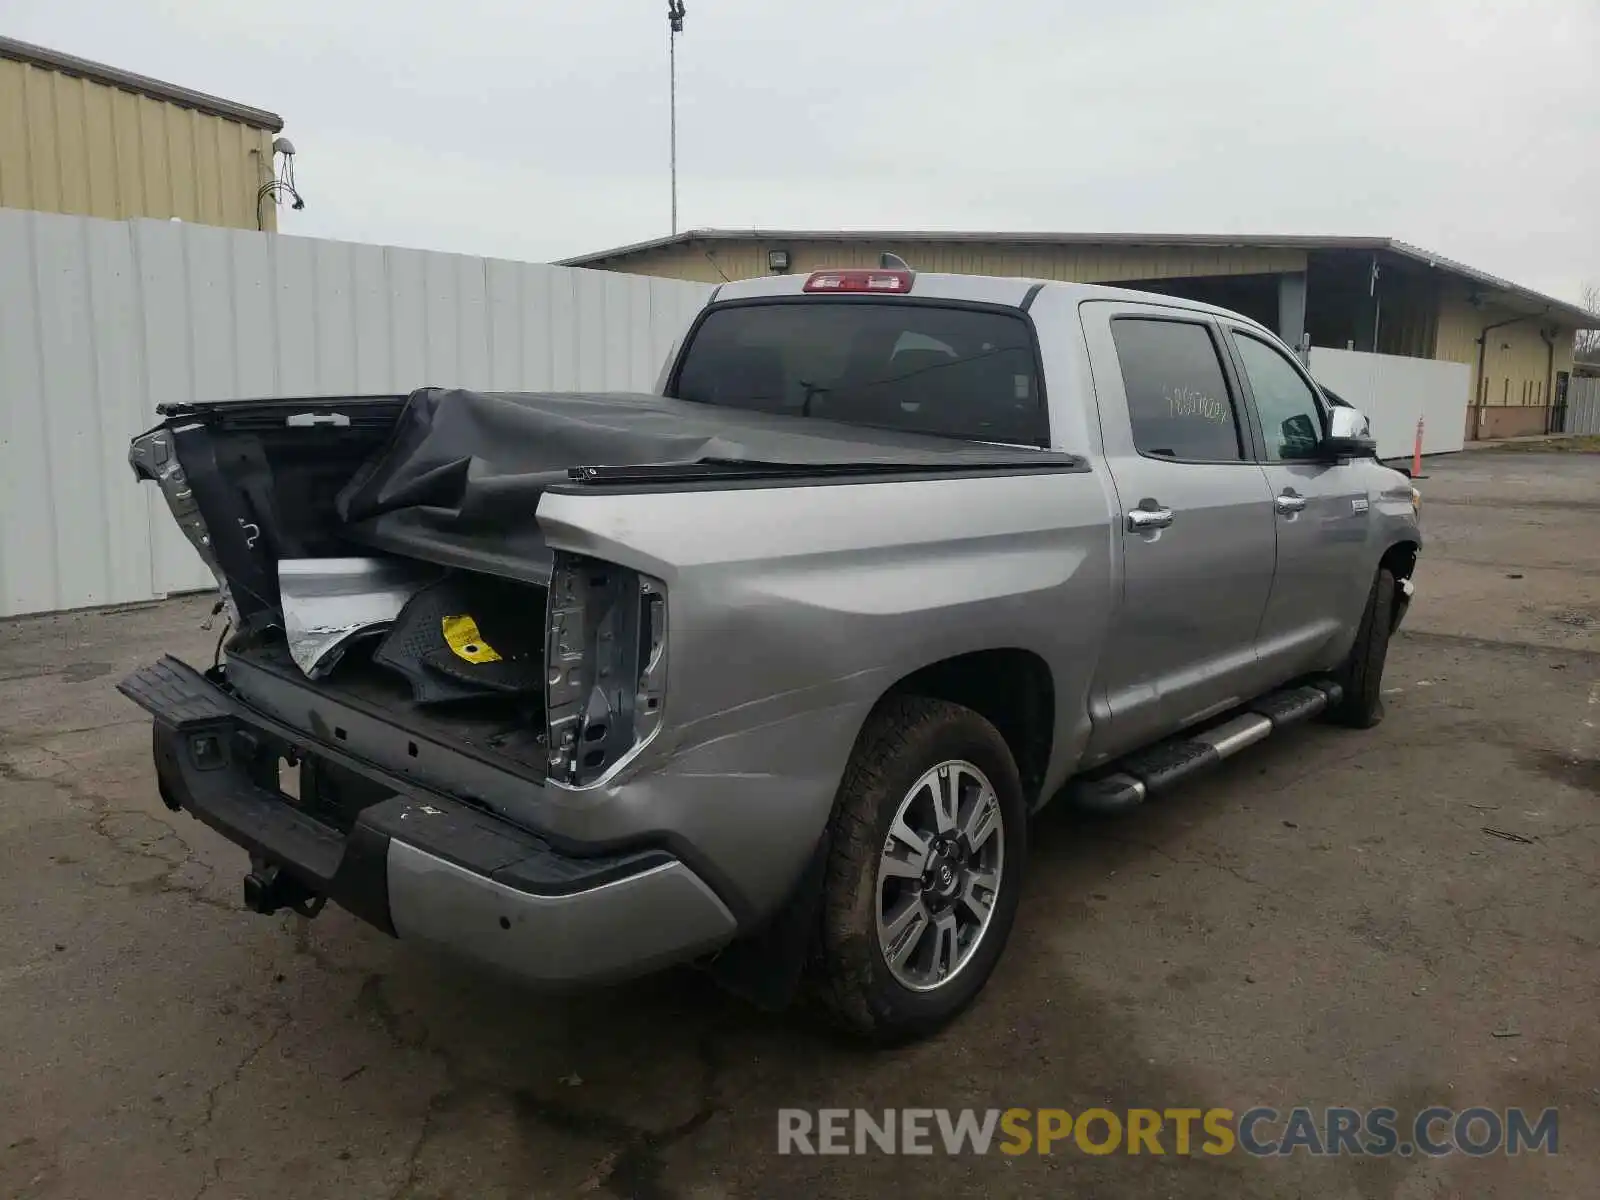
(769, 670)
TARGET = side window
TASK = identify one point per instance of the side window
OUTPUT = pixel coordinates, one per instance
(1177, 395)
(1290, 417)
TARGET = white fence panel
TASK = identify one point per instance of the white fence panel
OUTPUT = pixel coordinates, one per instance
(102, 320)
(1583, 407)
(1394, 392)
(117, 326)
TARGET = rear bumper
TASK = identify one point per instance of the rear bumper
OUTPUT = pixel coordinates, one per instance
(422, 865)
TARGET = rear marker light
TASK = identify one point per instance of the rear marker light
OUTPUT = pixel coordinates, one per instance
(897, 282)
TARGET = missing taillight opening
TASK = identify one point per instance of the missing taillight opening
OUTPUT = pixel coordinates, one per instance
(605, 656)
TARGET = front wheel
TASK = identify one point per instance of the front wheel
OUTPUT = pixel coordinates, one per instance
(1361, 675)
(924, 870)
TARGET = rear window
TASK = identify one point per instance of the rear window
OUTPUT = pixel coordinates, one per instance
(954, 372)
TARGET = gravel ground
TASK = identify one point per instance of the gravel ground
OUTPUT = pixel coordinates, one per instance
(1325, 920)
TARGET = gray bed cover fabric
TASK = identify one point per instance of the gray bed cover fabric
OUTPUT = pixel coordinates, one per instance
(461, 475)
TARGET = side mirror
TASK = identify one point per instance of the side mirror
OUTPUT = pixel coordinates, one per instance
(1349, 435)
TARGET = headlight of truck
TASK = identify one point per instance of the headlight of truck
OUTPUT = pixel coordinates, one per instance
(1416, 503)
(605, 666)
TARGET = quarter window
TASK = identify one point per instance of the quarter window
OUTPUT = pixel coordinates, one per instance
(1290, 416)
(1177, 394)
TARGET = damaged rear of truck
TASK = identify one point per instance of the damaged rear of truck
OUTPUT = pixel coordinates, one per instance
(579, 686)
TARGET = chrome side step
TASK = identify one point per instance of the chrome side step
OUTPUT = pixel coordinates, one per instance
(1134, 779)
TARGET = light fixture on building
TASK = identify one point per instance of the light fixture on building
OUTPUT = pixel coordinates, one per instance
(281, 183)
(777, 261)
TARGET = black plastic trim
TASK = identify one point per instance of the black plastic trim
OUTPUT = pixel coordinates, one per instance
(712, 471)
(1164, 764)
(361, 886)
(767, 966)
(226, 798)
(1233, 369)
(268, 406)
(234, 529)
(721, 483)
(1290, 706)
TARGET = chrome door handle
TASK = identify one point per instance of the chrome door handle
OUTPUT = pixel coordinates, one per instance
(1142, 519)
(1289, 503)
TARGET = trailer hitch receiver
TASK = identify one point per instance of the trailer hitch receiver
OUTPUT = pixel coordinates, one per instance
(269, 888)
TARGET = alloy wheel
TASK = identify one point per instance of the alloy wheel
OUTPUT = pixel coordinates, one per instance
(939, 875)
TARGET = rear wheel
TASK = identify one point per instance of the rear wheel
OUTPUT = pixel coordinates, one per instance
(1361, 675)
(924, 871)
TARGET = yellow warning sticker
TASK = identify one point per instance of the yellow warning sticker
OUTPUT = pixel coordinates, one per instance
(462, 636)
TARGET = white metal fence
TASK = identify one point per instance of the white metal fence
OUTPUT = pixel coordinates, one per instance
(1394, 392)
(1582, 414)
(102, 320)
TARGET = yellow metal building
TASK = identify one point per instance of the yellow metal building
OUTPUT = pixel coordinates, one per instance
(83, 138)
(1371, 294)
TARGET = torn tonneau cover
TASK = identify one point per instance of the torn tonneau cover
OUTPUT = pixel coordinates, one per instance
(462, 473)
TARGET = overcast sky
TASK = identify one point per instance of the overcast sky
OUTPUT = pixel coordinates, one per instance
(539, 129)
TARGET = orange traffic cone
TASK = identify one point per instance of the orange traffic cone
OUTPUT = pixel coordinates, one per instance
(1416, 453)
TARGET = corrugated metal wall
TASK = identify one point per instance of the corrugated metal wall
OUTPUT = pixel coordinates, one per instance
(1582, 413)
(102, 320)
(1394, 391)
(712, 261)
(72, 145)
(1517, 363)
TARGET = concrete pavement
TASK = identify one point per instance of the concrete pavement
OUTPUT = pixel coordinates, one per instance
(1325, 920)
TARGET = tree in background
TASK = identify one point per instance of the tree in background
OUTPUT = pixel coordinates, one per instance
(1586, 347)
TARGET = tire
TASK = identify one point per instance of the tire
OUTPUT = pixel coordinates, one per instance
(902, 748)
(1361, 675)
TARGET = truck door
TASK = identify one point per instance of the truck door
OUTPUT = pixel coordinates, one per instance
(1322, 512)
(1195, 522)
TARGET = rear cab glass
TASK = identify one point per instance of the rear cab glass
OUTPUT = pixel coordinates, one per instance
(948, 370)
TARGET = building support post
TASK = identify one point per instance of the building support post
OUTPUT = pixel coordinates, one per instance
(1292, 308)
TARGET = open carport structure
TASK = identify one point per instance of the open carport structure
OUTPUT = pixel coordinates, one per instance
(1362, 294)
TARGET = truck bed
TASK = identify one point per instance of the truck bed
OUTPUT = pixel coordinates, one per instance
(499, 731)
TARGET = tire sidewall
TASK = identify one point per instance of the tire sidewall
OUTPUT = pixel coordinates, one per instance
(957, 733)
(1363, 677)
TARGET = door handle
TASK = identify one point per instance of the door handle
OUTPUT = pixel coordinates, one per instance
(1289, 503)
(1140, 520)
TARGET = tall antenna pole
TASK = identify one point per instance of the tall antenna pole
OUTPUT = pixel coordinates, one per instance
(675, 11)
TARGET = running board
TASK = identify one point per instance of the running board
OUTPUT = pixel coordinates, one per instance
(1134, 779)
